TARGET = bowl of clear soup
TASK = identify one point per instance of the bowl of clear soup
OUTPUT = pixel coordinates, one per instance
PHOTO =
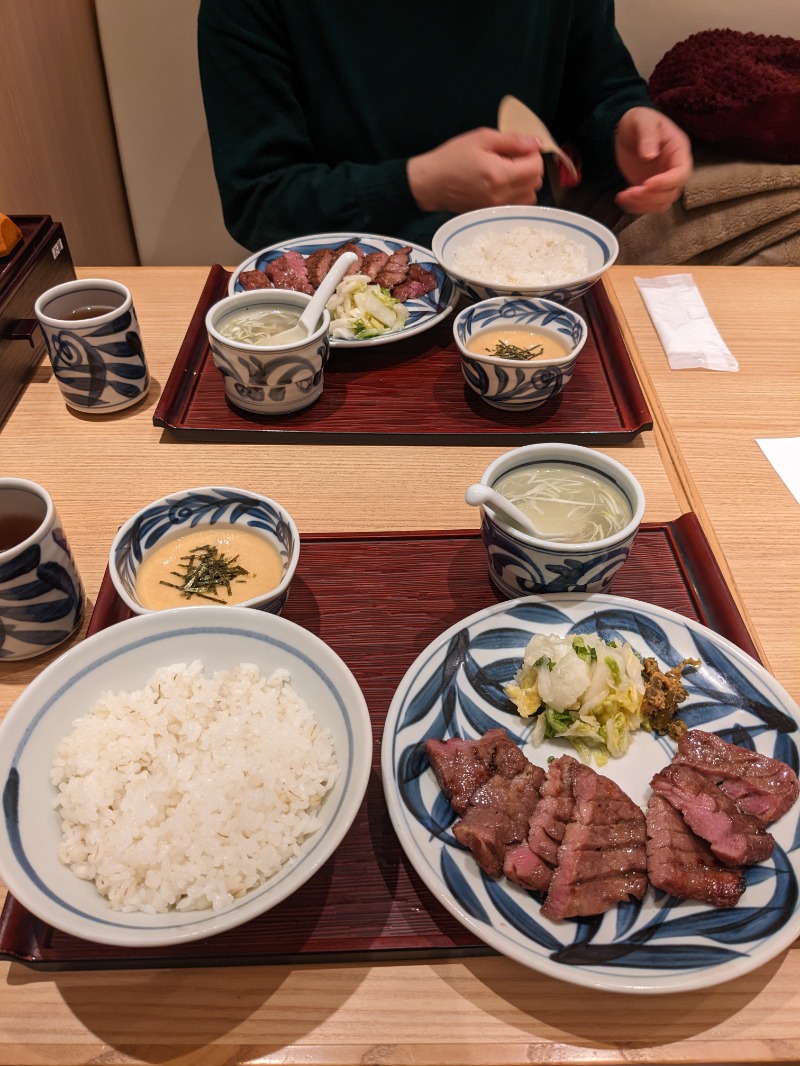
(584, 510)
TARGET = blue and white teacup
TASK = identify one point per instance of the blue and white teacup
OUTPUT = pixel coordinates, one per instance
(41, 593)
(95, 345)
(521, 564)
(269, 380)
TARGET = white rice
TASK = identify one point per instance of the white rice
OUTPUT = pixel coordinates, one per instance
(521, 256)
(193, 790)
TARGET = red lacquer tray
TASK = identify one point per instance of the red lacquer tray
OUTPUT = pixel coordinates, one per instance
(410, 391)
(367, 900)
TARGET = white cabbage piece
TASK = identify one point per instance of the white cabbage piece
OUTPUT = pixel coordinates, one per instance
(582, 688)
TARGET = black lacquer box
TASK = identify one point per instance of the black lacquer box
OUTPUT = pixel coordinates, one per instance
(39, 261)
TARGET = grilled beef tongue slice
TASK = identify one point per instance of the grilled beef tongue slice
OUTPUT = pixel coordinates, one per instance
(418, 282)
(736, 839)
(395, 269)
(254, 279)
(289, 271)
(498, 815)
(758, 785)
(462, 766)
(602, 859)
(318, 264)
(532, 864)
(680, 863)
(373, 263)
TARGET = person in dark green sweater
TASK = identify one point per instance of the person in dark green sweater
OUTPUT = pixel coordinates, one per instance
(333, 115)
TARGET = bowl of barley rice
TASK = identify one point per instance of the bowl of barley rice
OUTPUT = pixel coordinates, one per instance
(531, 251)
(178, 774)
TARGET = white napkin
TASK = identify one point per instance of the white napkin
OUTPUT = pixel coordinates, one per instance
(784, 454)
(684, 326)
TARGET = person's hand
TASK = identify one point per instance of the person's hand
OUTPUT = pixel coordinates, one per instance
(482, 168)
(655, 158)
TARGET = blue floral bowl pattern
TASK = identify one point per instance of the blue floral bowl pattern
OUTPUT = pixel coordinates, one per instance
(424, 311)
(519, 570)
(515, 385)
(598, 243)
(99, 370)
(41, 596)
(266, 380)
(273, 385)
(658, 944)
(204, 508)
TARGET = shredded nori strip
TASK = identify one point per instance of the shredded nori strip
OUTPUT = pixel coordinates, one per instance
(207, 570)
(503, 350)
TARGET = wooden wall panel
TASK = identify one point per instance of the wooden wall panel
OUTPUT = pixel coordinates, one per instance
(58, 150)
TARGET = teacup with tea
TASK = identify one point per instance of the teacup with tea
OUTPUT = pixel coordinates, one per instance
(94, 343)
(41, 593)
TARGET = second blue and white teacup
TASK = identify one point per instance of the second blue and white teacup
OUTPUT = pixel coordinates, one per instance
(41, 593)
(94, 343)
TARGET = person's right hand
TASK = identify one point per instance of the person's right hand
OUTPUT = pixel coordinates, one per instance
(482, 168)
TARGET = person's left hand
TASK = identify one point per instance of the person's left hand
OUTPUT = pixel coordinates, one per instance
(655, 158)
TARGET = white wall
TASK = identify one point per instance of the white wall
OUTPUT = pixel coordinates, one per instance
(651, 27)
(150, 53)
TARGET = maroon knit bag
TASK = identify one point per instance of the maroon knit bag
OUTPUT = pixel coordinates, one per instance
(737, 91)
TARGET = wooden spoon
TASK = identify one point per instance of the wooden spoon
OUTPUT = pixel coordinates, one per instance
(515, 117)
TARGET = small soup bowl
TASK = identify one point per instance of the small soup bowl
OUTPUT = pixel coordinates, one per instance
(263, 379)
(521, 564)
(199, 511)
(519, 384)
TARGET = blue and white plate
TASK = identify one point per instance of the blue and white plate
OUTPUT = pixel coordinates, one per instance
(424, 312)
(655, 945)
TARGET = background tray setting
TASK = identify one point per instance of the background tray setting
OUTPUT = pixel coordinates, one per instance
(410, 391)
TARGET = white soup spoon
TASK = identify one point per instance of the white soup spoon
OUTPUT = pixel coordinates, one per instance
(478, 495)
(316, 305)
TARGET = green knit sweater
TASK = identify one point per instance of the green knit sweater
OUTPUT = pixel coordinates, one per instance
(314, 106)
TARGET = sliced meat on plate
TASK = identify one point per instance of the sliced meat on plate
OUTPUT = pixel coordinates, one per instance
(254, 279)
(736, 839)
(759, 785)
(602, 859)
(680, 863)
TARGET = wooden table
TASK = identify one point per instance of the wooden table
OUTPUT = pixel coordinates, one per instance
(471, 1010)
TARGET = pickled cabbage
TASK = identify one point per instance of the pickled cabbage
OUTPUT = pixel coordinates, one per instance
(361, 309)
(583, 689)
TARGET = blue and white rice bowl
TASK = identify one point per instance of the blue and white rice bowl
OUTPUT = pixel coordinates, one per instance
(520, 564)
(124, 657)
(597, 242)
(202, 509)
(515, 384)
(266, 380)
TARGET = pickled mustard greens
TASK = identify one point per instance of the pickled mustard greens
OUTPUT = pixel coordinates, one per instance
(584, 689)
(565, 502)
